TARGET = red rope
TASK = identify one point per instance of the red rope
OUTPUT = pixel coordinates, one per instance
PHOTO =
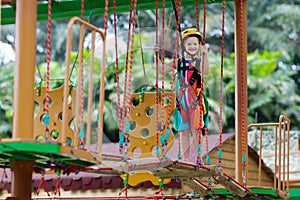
(117, 67)
(131, 58)
(202, 82)
(42, 183)
(221, 78)
(125, 190)
(156, 78)
(57, 186)
(178, 5)
(81, 86)
(105, 18)
(81, 75)
(82, 9)
(197, 16)
(171, 97)
(242, 80)
(48, 55)
(204, 21)
(126, 69)
(163, 66)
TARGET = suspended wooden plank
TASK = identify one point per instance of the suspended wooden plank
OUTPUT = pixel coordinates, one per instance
(80, 153)
(147, 164)
(196, 186)
(186, 173)
(186, 165)
(233, 186)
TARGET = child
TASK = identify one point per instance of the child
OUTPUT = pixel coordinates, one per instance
(188, 87)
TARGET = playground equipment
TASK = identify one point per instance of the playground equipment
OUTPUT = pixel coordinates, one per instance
(64, 151)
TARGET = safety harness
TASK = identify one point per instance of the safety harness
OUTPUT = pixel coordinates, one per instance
(183, 66)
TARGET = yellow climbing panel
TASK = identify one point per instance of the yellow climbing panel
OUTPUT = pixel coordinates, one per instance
(143, 136)
(55, 115)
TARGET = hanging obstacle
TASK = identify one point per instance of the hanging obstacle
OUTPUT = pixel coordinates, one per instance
(142, 138)
(60, 117)
(55, 115)
(83, 132)
(142, 135)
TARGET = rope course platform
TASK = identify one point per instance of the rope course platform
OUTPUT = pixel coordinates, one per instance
(45, 155)
(52, 156)
(67, 149)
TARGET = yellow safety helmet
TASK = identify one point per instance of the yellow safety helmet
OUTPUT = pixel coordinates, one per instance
(191, 32)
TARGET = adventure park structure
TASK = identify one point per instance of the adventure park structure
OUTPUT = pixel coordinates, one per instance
(46, 141)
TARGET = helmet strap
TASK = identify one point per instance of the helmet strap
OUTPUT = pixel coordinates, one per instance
(192, 55)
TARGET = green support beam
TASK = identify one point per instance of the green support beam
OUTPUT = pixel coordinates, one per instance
(64, 9)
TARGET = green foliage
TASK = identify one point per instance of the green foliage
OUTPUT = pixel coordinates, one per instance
(6, 101)
(271, 89)
(277, 29)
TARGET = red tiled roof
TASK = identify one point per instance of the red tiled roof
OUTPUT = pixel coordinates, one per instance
(80, 181)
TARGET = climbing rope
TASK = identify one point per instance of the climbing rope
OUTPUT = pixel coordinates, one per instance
(126, 67)
(128, 83)
(160, 187)
(125, 185)
(130, 69)
(124, 110)
(57, 186)
(42, 184)
(131, 58)
(81, 93)
(221, 86)
(176, 8)
(46, 119)
(162, 129)
(122, 113)
(156, 81)
(82, 9)
(81, 83)
(171, 96)
(197, 15)
(117, 66)
(244, 157)
(201, 122)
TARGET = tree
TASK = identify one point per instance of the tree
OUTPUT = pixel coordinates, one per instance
(6, 102)
(271, 90)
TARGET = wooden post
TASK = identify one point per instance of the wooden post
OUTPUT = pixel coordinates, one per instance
(24, 69)
(240, 84)
(21, 179)
(23, 93)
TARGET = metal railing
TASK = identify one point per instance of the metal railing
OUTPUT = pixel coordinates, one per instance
(281, 153)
